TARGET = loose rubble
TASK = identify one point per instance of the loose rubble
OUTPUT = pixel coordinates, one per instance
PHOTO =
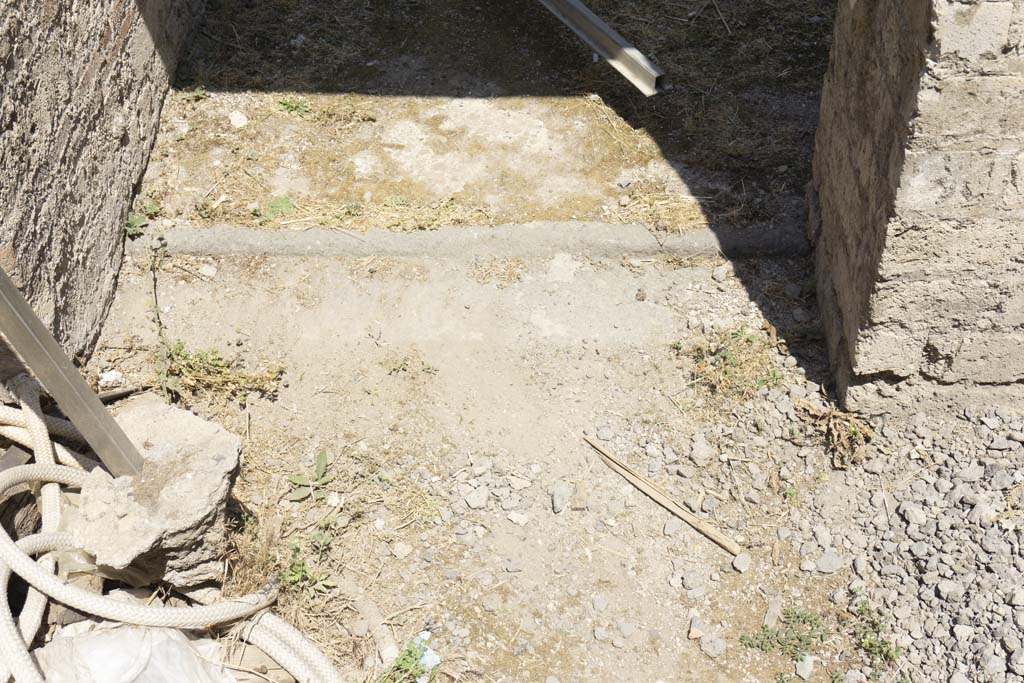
(169, 522)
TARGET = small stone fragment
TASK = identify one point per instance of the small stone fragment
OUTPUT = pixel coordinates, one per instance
(111, 379)
(741, 562)
(518, 483)
(697, 628)
(712, 645)
(477, 498)
(829, 562)
(401, 550)
(701, 452)
(518, 518)
(672, 526)
(950, 590)
(561, 494)
(774, 611)
(805, 667)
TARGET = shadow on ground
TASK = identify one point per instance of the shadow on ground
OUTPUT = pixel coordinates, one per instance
(742, 106)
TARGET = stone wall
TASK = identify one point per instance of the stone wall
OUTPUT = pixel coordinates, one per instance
(917, 200)
(81, 87)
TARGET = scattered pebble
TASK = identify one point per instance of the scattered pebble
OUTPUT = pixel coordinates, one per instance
(805, 667)
(401, 549)
(829, 562)
(561, 494)
(477, 498)
(673, 525)
(111, 379)
(518, 518)
(712, 645)
(741, 562)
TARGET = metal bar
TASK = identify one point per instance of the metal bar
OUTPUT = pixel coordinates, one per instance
(606, 42)
(37, 348)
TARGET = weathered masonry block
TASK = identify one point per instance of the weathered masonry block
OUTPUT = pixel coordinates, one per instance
(81, 87)
(917, 201)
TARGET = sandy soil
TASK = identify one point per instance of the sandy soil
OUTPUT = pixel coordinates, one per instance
(425, 377)
(451, 385)
(422, 114)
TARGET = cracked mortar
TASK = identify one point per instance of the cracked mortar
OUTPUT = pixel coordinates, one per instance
(169, 522)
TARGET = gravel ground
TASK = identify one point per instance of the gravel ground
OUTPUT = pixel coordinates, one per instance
(453, 399)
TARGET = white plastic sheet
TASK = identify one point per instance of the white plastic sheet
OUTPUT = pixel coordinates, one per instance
(91, 652)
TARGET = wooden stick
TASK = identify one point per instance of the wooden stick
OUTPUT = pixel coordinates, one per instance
(659, 496)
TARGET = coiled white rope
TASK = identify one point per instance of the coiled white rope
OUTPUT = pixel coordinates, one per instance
(29, 427)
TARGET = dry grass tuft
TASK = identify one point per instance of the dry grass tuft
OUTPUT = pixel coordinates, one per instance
(654, 204)
(846, 436)
(501, 271)
(732, 365)
(183, 374)
(254, 555)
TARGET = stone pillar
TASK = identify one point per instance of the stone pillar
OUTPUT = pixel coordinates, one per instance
(81, 88)
(917, 200)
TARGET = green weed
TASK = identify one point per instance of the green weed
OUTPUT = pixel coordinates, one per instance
(295, 106)
(146, 211)
(276, 208)
(868, 631)
(311, 485)
(196, 94)
(135, 226)
(407, 668)
(798, 632)
(299, 576)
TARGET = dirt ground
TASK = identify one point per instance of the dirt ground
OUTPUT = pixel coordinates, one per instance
(451, 375)
(424, 377)
(421, 114)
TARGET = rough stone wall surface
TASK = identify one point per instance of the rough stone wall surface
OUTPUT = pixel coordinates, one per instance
(81, 87)
(917, 201)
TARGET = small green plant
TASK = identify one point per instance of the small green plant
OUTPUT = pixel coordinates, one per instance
(311, 485)
(799, 631)
(147, 210)
(276, 208)
(869, 634)
(196, 94)
(298, 576)
(135, 226)
(295, 106)
(408, 667)
(320, 541)
(151, 208)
